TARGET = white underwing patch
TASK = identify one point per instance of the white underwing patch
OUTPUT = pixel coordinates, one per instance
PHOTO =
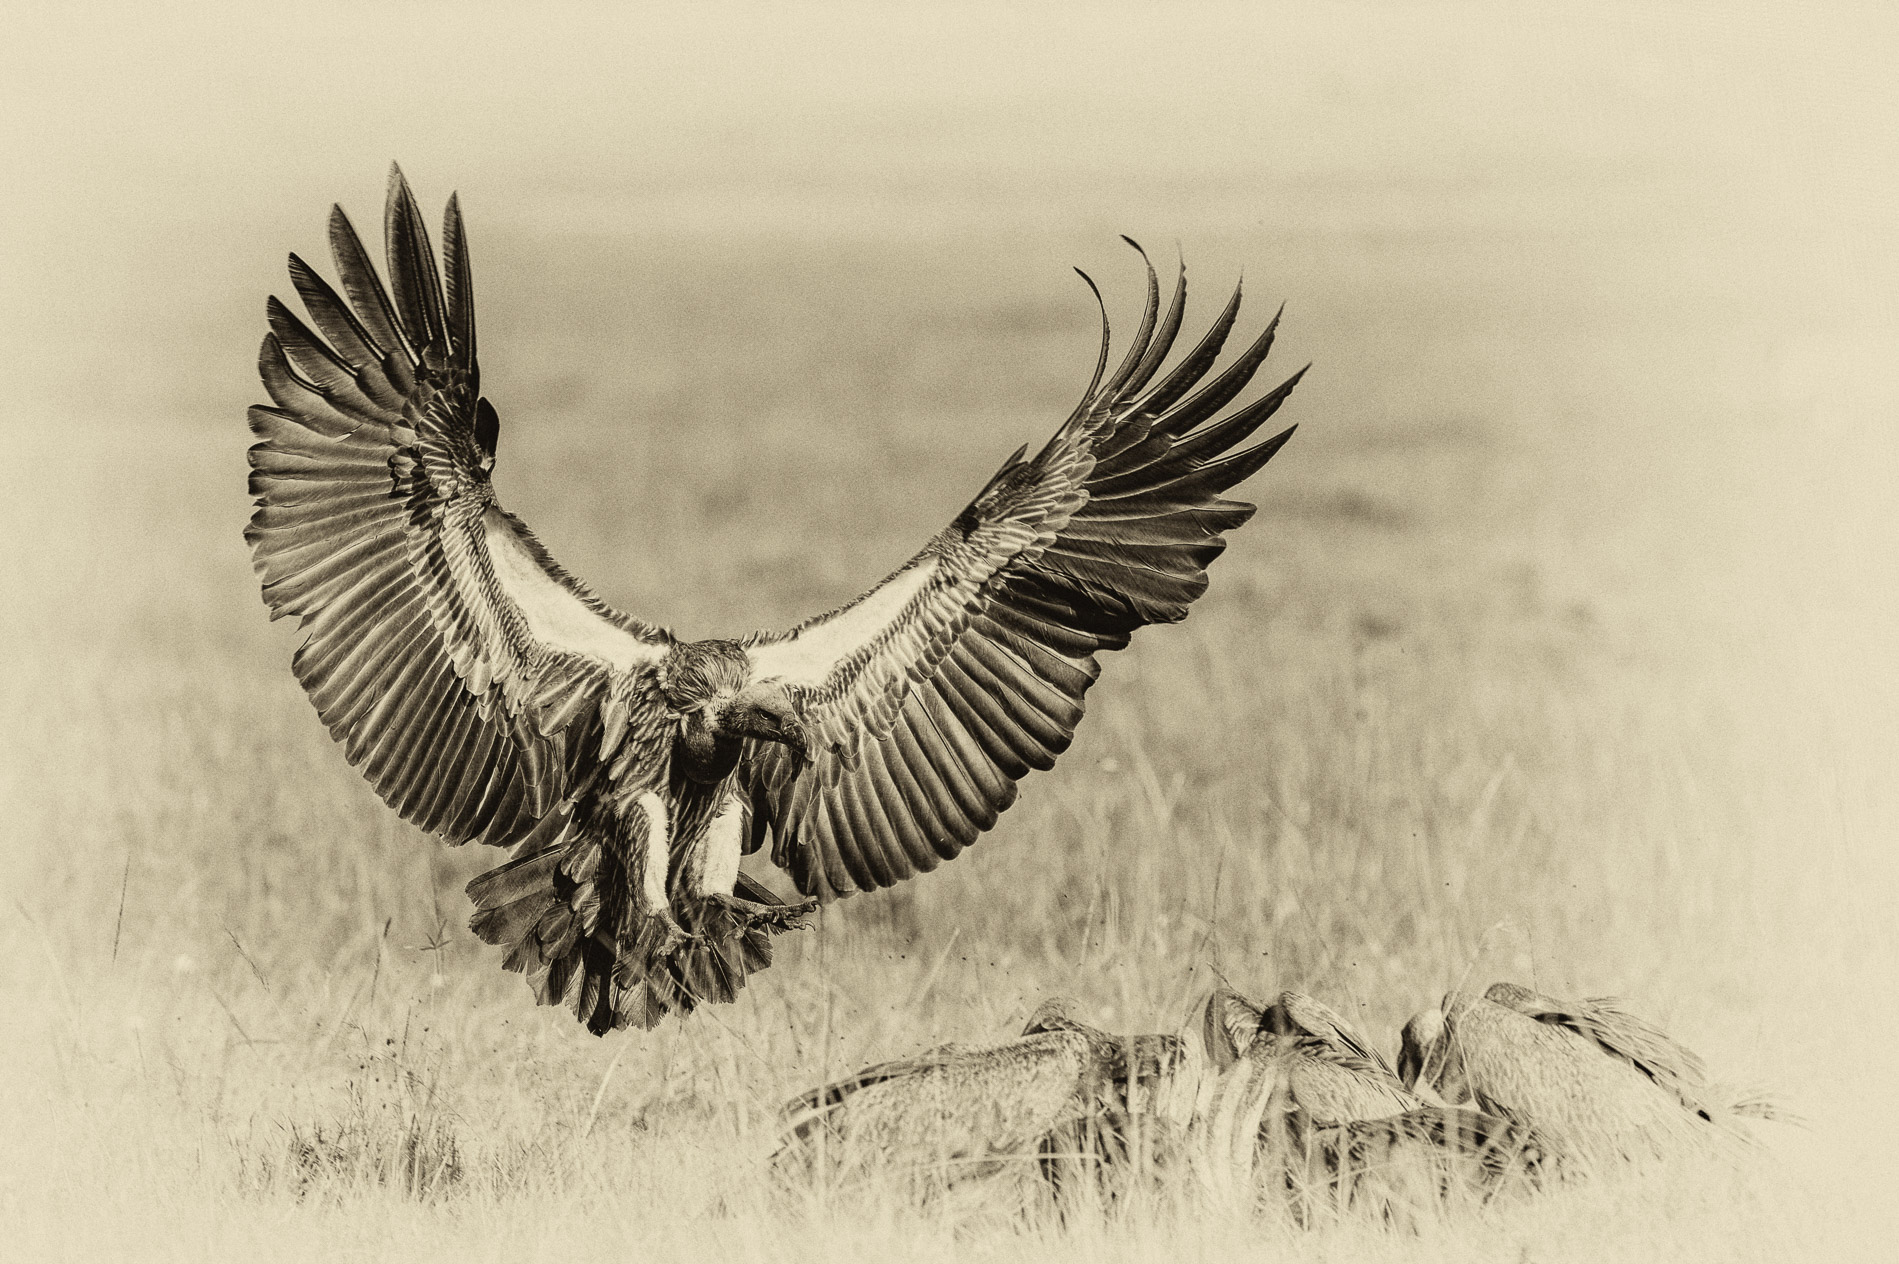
(555, 616)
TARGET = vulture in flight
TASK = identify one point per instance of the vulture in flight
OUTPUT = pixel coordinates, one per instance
(490, 696)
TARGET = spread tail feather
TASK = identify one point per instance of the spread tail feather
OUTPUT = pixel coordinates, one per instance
(532, 907)
(546, 909)
(721, 949)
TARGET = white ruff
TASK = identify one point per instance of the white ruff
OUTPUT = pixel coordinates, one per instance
(658, 854)
(719, 873)
(554, 615)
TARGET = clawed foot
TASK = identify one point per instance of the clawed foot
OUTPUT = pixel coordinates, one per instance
(672, 937)
(771, 917)
(750, 915)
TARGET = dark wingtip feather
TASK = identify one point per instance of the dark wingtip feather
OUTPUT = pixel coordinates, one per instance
(413, 275)
(1246, 462)
(1202, 446)
(1196, 364)
(1101, 360)
(397, 192)
(1217, 394)
(364, 287)
(1241, 424)
(1137, 346)
(1163, 340)
(459, 280)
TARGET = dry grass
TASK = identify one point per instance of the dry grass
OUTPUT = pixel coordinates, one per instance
(1562, 647)
(1406, 736)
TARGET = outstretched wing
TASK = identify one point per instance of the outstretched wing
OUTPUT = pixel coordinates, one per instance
(464, 672)
(928, 698)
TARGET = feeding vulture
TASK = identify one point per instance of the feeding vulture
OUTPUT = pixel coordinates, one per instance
(1596, 1082)
(1326, 1114)
(959, 1111)
(488, 695)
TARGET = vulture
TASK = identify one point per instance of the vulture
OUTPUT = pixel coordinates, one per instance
(1597, 1083)
(1303, 1088)
(1329, 1070)
(488, 695)
(1060, 1092)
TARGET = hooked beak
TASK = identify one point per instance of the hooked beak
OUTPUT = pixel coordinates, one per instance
(766, 712)
(797, 740)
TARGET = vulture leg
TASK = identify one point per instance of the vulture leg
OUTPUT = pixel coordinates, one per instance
(651, 850)
(712, 875)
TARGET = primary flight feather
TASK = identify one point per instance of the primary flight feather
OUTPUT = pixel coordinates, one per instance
(488, 695)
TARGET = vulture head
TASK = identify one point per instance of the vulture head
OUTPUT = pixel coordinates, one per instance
(715, 706)
(1428, 1058)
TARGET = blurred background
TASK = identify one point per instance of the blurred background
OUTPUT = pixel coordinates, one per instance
(1568, 623)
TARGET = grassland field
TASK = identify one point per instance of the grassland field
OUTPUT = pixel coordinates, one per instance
(1561, 648)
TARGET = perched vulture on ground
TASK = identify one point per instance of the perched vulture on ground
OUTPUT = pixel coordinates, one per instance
(1329, 1118)
(1597, 1083)
(961, 1111)
(488, 695)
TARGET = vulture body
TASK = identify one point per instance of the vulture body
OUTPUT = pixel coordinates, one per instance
(1596, 1083)
(1301, 1089)
(489, 696)
(1062, 1090)
(1323, 1066)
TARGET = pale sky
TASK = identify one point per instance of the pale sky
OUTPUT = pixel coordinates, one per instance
(161, 152)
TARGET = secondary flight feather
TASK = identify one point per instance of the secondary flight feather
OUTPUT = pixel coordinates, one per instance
(489, 696)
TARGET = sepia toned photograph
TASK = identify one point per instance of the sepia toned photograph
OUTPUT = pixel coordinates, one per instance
(856, 632)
